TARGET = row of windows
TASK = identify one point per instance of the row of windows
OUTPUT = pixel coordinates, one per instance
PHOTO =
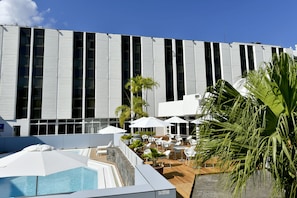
(131, 51)
(70, 126)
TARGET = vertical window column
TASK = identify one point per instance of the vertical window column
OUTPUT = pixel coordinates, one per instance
(251, 57)
(77, 80)
(90, 76)
(125, 68)
(169, 70)
(217, 61)
(180, 70)
(23, 73)
(37, 73)
(136, 56)
(242, 60)
(208, 64)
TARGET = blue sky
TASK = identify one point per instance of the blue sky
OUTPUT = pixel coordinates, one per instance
(265, 21)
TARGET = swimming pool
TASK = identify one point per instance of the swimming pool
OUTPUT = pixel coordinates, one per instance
(63, 182)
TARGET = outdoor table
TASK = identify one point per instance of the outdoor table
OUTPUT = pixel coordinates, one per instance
(181, 149)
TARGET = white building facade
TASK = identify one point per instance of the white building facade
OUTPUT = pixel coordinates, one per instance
(65, 82)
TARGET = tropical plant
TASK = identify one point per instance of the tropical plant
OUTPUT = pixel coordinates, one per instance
(154, 155)
(256, 131)
(137, 104)
(136, 145)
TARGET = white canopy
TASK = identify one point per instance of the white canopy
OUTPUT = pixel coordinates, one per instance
(39, 160)
(111, 130)
(176, 119)
(149, 122)
(197, 121)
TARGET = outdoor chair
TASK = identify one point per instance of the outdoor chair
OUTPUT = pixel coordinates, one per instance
(167, 156)
(189, 153)
(144, 138)
(193, 142)
(189, 139)
(166, 144)
(179, 138)
(151, 139)
(159, 141)
(102, 149)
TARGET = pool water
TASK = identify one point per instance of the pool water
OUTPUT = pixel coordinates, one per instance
(63, 182)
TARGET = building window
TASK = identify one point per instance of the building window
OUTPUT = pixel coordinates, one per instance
(37, 74)
(90, 76)
(242, 60)
(251, 57)
(125, 68)
(169, 70)
(77, 80)
(136, 56)
(217, 61)
(180, 69)
(23, 73)
(273, 50)
(208, 64)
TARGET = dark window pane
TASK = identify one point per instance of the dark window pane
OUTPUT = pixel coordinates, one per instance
(51, 129)
(243, 60)
(34, 130)
(251, 57)
(125, 68)
(23, 73)
(208, 64)
(61, 129)
(217, 61)
(180, 70)
(169, 70)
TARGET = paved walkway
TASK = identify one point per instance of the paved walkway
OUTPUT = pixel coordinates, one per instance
(212, 186)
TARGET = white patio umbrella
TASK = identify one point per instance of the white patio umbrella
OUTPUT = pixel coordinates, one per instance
(178, 121)
(111, 130)
(149, 122)
(39, 160)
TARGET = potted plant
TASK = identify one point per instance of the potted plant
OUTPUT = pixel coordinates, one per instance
(154, 155)
(136, 145)
(126, 138)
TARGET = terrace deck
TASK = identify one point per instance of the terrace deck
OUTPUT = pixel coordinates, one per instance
(180, 174)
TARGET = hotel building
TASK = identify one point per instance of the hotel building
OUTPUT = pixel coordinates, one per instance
(70, 82)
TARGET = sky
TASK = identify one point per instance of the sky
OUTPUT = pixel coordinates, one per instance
(265, 21)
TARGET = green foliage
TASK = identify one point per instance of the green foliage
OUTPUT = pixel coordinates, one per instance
(256, 131)
(154, 155)
(148, 133)
(126, 137)
(137, 104)
(136, 144)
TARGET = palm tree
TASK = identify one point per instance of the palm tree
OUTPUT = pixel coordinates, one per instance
(135, 85)
(138, 84)
(257, 131)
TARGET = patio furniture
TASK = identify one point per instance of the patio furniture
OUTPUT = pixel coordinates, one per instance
(103, 149)
(167, 156)
(179, 149)
(151, 139)
(166, 144)
(189, 153)
(193, 142)
(159, 141)
(144, 138)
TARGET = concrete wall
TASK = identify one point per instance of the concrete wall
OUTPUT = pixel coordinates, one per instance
(12, 144)
(125, 168)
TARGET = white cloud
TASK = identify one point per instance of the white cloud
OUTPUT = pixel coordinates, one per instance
(21, 12)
